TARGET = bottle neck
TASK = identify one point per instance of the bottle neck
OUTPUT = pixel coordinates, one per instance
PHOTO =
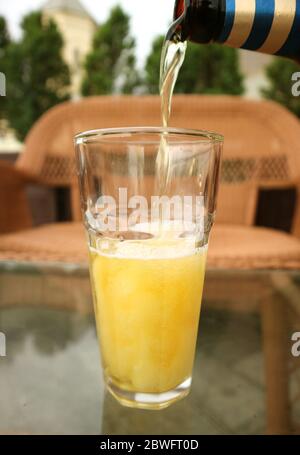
(259, 25)
(202, 21)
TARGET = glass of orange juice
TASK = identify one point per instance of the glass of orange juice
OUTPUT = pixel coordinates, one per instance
(148, 200)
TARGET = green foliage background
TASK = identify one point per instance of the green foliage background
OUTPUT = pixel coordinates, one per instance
(111, 65)
(37, 76)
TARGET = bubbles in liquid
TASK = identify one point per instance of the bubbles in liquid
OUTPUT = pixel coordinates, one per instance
(130, 235)
(146, 241)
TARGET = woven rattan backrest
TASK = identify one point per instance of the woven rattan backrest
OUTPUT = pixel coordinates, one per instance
(262, 141)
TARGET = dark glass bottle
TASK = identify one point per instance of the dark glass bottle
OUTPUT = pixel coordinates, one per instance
(268, 26)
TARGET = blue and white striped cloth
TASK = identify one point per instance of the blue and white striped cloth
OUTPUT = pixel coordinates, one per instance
(269, 26)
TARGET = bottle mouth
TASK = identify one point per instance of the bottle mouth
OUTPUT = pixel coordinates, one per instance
(198, 21)
(176, 31)
(180, 8)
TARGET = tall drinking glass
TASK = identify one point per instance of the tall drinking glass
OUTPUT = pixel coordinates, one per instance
(148, 199)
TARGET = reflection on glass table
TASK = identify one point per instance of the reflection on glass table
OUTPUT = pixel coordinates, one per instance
(246, 380)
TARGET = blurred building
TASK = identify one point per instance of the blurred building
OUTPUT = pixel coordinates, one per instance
(8, 141)
(77, 28)
(253, 66)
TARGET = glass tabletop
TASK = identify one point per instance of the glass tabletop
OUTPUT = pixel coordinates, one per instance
(246, 377)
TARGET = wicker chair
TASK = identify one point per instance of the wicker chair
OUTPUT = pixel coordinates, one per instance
(262, 150)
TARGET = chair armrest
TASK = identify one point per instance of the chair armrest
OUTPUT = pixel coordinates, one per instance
(11, 175)
(15, 213)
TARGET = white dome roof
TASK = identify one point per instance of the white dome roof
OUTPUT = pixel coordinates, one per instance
(73, 6)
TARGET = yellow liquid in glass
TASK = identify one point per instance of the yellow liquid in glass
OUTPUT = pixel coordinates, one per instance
(147, 309)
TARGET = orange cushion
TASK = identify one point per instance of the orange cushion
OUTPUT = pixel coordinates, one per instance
(242, 247)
